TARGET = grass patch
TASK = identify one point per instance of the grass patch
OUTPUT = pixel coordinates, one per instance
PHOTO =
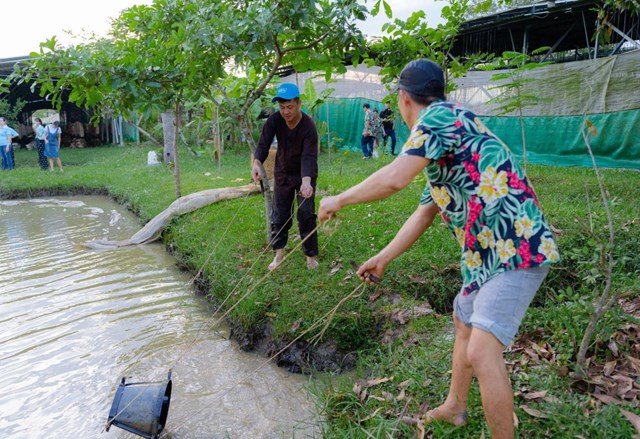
(227, 242)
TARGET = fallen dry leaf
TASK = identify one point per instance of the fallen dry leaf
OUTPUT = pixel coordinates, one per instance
(375, 295)
(400, 316)
(375, 412)
(418, 279)
(535, 395)
(613, 347)
(556, 230)
(633, 418)
(387, 396)
(421, 431)
(335, 269)
(609, 367)
(376, 381)
(606, 399)
(533, 412)
(624, 384)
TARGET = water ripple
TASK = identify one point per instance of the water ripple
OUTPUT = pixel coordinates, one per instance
(73, 321)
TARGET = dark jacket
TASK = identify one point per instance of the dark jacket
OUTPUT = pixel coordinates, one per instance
(297, 154)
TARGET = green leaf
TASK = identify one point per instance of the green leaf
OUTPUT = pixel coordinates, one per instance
(387, 9)
(376, 8)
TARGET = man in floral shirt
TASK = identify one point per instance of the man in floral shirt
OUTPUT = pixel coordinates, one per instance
(368, 134)
(486, 200)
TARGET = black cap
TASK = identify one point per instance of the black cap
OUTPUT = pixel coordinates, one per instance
(422, 78)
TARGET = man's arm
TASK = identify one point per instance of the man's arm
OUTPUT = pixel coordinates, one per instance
(411, 230)
(381, 184)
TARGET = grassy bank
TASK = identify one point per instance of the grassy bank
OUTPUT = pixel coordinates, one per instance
(401, 331)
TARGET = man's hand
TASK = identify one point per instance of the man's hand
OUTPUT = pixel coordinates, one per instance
(306, 190)
(255, 171)
(328, 208)
(373, 267)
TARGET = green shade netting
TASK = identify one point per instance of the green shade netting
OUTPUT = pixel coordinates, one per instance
(344, 119)
(558, 140)
(551, 140)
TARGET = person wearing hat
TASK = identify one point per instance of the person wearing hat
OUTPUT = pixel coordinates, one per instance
(295, 172)
(388, 127)
(486, 200)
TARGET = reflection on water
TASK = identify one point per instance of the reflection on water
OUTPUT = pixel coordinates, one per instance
(74, 321)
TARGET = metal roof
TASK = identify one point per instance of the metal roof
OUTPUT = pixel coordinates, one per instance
(562, 25)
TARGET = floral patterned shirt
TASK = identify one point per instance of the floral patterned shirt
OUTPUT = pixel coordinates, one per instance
(482, 193)
(369, 128)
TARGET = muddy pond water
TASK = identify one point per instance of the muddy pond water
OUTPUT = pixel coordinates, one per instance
(74, 321)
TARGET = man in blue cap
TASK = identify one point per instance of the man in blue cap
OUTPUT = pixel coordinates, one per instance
(295, 172)
(484, 197)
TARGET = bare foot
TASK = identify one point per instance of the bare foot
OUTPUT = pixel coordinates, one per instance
(275, 263)
(312, 262)
(444, 414)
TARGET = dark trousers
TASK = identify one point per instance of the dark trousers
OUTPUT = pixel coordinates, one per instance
(42, 160)
(389, 133)
(367, 145)
(282, 216)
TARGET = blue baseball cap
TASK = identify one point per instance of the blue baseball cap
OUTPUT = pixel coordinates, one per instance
(286, 91)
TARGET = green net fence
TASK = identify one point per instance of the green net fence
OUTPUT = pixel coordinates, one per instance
(604, 91)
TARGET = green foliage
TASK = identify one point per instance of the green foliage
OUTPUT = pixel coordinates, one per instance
(414, 38)
(632, 6)
(11, 112)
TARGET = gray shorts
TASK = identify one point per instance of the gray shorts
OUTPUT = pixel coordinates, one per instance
(499, 305)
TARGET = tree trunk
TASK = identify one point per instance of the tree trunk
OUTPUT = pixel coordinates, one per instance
(153, 229)
(168, 130)
(176, 162)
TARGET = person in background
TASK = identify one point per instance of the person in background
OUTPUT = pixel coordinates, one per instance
(377, 134)
(52, 144)
(38, 128)
(295, 172)
(367, 133)
(486, 200)
(388, 127)
(6, 135)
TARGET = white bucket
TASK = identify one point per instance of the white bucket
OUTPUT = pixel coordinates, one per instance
(152, 159)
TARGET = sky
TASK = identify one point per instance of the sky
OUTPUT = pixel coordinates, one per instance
(34, 21)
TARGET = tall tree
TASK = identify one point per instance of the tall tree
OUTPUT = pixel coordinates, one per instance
(406, 40)
(155, 58)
